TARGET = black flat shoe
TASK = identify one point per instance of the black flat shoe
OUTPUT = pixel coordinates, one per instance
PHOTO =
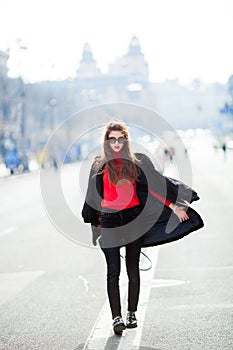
(118, 326)
(131, 321)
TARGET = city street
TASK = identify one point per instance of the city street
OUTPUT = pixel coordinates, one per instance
(53, 290)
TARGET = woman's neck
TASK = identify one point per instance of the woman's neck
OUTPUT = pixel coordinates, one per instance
(117, 154)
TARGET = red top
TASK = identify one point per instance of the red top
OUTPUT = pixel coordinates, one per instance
(120, 196)
(123, 195)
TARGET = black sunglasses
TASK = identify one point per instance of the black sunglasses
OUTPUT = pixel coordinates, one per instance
(119, 139)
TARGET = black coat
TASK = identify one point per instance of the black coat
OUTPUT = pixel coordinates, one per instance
(163, 225)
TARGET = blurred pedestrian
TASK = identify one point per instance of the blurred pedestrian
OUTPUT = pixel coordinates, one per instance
(54, 163)
(122, 186)
(224, 148)
(160, 158)
(171, 152)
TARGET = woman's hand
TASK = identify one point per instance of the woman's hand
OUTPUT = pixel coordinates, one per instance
(181, 213)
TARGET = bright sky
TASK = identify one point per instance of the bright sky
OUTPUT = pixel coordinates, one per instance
(182, 39)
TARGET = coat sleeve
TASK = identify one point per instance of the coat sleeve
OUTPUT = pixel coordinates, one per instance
(170, 189)
(91, 207)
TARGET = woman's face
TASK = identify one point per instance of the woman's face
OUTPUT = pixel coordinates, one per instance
(116, 140)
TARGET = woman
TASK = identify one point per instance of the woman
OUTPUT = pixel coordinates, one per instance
(127, 201)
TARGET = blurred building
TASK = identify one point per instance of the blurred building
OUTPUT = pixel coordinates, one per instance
(132, 67)
(12, 113)
(224, 131)
(88, 67)
(30, 112)
(125, 80)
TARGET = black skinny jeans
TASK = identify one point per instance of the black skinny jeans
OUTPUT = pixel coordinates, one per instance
(113, 259)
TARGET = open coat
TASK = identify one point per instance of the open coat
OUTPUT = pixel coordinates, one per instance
(160, 225)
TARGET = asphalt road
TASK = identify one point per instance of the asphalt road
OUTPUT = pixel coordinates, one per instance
(52, 290)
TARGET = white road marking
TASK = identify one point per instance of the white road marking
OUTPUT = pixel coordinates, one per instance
(102, 330)
(204, 268)
(8, 230)
(158, 283)
(85, 282)
(202, 306)
(131, 339)
(14, 282)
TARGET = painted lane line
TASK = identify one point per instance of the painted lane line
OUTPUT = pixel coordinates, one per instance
(8, 230)
(131, 338)
(102, 329)
(100, 332)
(158, 283)
(85, 282)
(204, 268)
(201, 306)
(102, 336)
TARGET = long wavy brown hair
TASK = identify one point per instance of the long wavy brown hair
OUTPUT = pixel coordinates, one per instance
(128, 169)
